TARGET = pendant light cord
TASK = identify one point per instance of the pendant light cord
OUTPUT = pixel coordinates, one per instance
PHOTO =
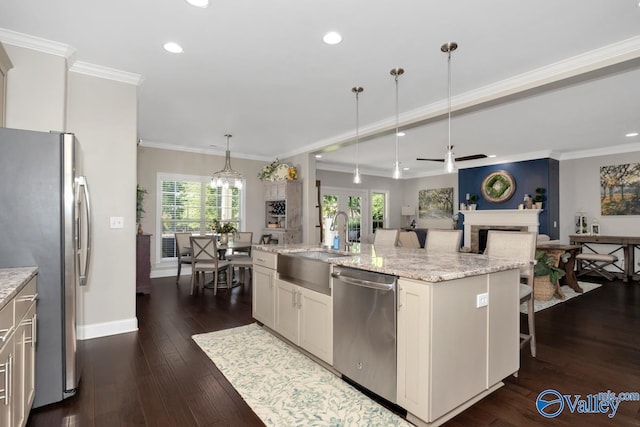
(357, 126)
(397, 118)
(449, 96)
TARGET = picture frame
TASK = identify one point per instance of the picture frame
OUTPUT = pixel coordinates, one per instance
(498, 186)
(595, 229)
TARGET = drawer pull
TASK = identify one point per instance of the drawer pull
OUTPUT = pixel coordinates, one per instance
(6, 370)
(6, 333)
(30, 322)
(28, 298)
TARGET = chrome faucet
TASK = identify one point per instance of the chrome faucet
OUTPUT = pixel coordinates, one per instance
(347, 243)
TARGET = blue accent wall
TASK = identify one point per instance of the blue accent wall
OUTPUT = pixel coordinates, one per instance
(528, 176)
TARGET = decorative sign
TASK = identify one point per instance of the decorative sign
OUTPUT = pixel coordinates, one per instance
(498, 186)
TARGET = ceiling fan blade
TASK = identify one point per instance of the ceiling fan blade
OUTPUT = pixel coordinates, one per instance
(458, 159)
(471, 157)
(431, 160)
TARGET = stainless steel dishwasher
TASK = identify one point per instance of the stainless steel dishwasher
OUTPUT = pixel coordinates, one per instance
(364, 329)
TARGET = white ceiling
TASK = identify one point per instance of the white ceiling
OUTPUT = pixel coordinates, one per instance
(530, 79)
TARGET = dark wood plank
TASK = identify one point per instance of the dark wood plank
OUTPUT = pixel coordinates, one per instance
(159, 377)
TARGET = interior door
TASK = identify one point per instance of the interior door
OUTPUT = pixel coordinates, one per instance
(353, 203)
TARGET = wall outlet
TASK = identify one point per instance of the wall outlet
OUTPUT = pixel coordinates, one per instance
(116, 222)
(482, 300)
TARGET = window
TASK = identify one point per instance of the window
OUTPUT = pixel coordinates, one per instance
(189, 204)
(378, 209)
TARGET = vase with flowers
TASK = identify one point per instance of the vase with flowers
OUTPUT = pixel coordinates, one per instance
(267, 173)
(223, 229)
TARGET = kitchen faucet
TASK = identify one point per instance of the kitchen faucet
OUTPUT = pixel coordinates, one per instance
(347, 243)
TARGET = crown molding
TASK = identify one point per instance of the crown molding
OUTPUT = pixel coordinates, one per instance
(36, 43)
(604, 151)
(199, 150)
(108, 73)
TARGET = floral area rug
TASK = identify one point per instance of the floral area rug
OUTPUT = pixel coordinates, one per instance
(566, 290)
(286, 388)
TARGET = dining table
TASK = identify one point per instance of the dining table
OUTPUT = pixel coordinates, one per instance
(222, 255)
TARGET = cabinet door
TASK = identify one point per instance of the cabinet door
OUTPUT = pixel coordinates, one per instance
(263, 295)
(6, 372)
(414, 323)
(316, 324)
(29, 325)
(287, 310)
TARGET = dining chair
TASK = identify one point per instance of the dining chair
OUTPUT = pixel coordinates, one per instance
(408, 239)
(183, 254)
(385, 237)
(521, 246)
(204, 255)
(443, 241)
(241, 258)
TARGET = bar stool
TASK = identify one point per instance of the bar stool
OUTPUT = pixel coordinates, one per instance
(596, 263)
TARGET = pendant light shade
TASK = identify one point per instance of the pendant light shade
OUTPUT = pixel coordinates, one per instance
(227, 177)
(397, 173)
(356, 173)
(449, 158)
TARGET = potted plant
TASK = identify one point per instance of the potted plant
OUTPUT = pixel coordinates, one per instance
(546, 276)
(538, 198)
(473, 198)
(223, 229)
(140, 193)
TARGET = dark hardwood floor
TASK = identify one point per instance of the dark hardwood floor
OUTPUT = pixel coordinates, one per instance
(159, 377)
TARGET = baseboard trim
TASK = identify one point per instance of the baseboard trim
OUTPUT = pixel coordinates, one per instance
(105, 329)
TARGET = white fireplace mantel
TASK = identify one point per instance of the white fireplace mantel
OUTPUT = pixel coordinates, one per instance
(500, 217)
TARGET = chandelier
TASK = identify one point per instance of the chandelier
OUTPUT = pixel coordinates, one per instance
(227, 177)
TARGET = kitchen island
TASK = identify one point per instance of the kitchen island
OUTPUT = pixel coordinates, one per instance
(457, 321)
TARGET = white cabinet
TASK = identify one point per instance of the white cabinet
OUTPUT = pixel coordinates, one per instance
(17, 356)
(449, 349)
(263, 298)
(283, 211)
(305, 318)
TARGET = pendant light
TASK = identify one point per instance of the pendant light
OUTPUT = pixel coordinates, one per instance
(449, 159)
(227, 176)
(397, 174)
(356, 173)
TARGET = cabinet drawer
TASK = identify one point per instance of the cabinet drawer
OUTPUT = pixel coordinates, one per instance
(25, 298)
(265, 259)
(6, 322)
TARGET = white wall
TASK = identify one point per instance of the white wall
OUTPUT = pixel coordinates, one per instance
(36, 90)
(42, 95)
(102, 114)
(580, 190)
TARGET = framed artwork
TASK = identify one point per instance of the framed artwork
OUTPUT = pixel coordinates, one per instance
(498, 186)
(620, 189)
(435, 203)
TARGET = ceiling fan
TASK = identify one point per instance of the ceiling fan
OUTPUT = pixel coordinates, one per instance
(457, 159)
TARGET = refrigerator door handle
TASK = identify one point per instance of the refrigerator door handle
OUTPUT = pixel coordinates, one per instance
(82, 183)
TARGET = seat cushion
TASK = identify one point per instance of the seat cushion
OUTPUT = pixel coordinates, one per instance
(597, 257)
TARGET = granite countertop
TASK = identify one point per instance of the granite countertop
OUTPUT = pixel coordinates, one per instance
(12, 280)
(408, 263)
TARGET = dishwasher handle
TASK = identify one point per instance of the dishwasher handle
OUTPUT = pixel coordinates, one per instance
(364, 283)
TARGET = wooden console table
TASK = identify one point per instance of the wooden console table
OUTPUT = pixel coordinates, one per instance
(622, 243)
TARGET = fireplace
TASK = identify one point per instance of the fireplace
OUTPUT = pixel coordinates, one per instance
(476, 222)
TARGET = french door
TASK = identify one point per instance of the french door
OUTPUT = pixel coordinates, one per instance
(354, 203)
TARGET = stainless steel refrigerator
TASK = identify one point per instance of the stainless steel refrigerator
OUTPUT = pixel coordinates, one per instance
(45, 217)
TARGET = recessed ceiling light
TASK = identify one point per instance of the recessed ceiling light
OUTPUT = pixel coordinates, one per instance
(173, 47)
(405, 169)
(401, 134)
(630, 134)
(332, 38)
(491, 156)
(199, 3)
(318, 156)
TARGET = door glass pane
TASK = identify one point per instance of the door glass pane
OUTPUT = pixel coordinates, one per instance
(355, 218)
(378, 201)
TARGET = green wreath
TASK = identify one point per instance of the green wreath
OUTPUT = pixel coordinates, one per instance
(498, 186)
